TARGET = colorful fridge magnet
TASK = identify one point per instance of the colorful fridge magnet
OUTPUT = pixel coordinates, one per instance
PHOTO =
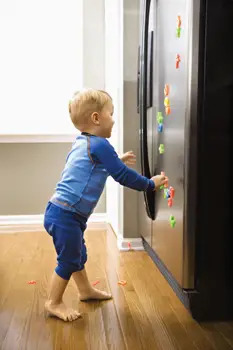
(178, 60)
(178, 32)
(172, 192)
(178, 21)
(166, 194)
(161, 148)
(168, 110)
(166, 90)
(95, 282)
(122, 282)
(160, 118)
(170, 202)
(178, 26)
(160, 127)
(166, 102)
(172, 221)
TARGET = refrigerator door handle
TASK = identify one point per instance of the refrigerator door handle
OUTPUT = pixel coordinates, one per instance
(150, 71)
(138, 79)
(148, 196)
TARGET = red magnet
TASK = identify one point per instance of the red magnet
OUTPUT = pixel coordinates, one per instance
(178, 60)
(166, 90)
(172, 192)
(32, 282)
(169, 202)
(129, 246)
(95, 283)
(122, 282)
(178, 21)
(168, 110)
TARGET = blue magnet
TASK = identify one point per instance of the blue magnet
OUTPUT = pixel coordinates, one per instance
(166, 193)
(160, 127)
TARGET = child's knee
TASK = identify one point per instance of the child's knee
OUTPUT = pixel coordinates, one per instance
(65, 269)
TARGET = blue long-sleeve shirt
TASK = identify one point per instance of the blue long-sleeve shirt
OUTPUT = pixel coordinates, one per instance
(88, 165)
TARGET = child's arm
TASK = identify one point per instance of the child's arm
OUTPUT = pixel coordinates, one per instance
(102, 151)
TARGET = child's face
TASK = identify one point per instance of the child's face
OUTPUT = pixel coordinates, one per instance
(106, 120)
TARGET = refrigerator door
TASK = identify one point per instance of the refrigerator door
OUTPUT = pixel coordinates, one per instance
(171, 90)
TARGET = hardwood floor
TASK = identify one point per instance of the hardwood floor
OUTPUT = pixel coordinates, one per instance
(144, 314)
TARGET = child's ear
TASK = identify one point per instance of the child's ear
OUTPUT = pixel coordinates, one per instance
(95, 118)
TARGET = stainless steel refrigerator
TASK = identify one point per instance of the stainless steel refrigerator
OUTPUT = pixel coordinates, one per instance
(185, 104)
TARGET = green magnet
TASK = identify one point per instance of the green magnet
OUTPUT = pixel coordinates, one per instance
(161, 148)
(172, 221)
(161, 187)
(160, 118)
(178, 32)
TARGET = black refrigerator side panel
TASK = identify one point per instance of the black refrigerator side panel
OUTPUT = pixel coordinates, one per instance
(214, 248)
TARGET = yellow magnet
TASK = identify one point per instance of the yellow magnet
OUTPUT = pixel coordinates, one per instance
(166, 102)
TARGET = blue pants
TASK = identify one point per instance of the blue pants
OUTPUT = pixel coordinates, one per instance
(67, 230)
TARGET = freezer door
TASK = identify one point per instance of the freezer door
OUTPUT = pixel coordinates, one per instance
(173, 33)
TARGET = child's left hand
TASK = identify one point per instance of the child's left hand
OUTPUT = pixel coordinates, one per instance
(128, 158)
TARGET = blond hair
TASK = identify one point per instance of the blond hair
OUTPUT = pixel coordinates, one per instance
(84, 103)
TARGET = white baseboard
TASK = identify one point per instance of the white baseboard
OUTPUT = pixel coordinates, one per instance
(135, 243)
(98, 217)
(21, 223)
(21, 220)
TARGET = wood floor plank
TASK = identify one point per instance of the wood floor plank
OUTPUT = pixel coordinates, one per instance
(144, 314)
(167, 330)
(126, 320)
(165, 307)
(97, 271)
(215, 337)
(226, 329)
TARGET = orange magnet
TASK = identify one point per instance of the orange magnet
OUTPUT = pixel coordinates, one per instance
(168, 110)
(178, 60)
(178, 21)
(166, 184)
(122, 282)
(95, 283)
(166, 102)
(172, 192)
(169, 202)
(166, 90)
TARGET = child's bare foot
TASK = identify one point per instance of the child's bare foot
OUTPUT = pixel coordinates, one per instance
(61, 311)
(95, 294)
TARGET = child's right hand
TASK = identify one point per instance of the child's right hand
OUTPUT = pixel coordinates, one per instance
(159, 180)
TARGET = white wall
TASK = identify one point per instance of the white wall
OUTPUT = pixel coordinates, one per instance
(114, 85)
(41, 64)
(33, 167)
